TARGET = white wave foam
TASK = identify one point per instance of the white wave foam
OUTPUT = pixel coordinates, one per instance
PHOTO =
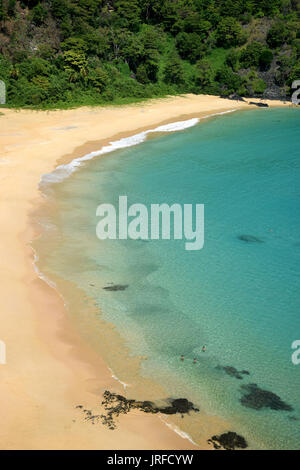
(125, 385)
(219, 114)
(63, 171)
(39, 273)
(176, 126)
(178, 431)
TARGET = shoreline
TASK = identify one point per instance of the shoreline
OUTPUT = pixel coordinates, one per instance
(50, 368)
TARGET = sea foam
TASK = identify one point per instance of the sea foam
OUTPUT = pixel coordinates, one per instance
(63, 171)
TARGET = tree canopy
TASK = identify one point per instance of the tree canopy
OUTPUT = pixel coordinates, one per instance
(56, 53)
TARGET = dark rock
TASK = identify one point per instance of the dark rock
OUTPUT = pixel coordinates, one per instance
(233, 96)
(257, 398)
(250, 239)
(233, 372)
(115, 287)
(228, 441)
(260, 105)
(116, 404)
(178, 405)
(273, 90)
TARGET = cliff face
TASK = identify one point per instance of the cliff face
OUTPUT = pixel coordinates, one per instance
(70, 52)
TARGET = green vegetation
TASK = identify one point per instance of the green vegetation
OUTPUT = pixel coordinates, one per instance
(64, 53)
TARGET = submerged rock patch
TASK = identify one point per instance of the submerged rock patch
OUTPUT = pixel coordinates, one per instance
(115, 405)
(116, 287)
(257, 398)
(293, 418)
(233, 372)
(250, 239)
(228, 441)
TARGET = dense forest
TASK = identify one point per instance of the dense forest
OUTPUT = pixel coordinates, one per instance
(56, 53)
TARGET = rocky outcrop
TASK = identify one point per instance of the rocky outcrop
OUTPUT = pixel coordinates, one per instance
(115, 405)
(259, 104)
(228, 441)
(257, 398)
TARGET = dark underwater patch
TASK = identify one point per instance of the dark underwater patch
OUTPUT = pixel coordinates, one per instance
(116, 287)
(257, 398)
(233, 372)
(250, 239)
(293, 418)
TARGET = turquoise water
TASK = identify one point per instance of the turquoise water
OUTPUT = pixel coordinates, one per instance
(239, 299)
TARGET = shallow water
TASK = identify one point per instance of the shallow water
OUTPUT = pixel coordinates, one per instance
(241, 299)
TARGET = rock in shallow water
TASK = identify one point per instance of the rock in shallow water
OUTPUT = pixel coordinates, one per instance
(228, 441)
(233, 372)
(116, 404)
(116, 287)
(250, 239)
(257, 398)
(178, 405)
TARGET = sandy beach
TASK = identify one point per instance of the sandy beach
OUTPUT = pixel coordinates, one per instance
(50, 368)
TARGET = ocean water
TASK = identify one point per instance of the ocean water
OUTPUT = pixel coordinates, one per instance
(240, 299)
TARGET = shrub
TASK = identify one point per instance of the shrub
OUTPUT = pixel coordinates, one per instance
(265, 59)
(38, 15)
(229, 80)
(230, 33)
(277, 35)
(190, 46)
(251, 54)
(204, 74)
(173, 72)
(233, 59)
